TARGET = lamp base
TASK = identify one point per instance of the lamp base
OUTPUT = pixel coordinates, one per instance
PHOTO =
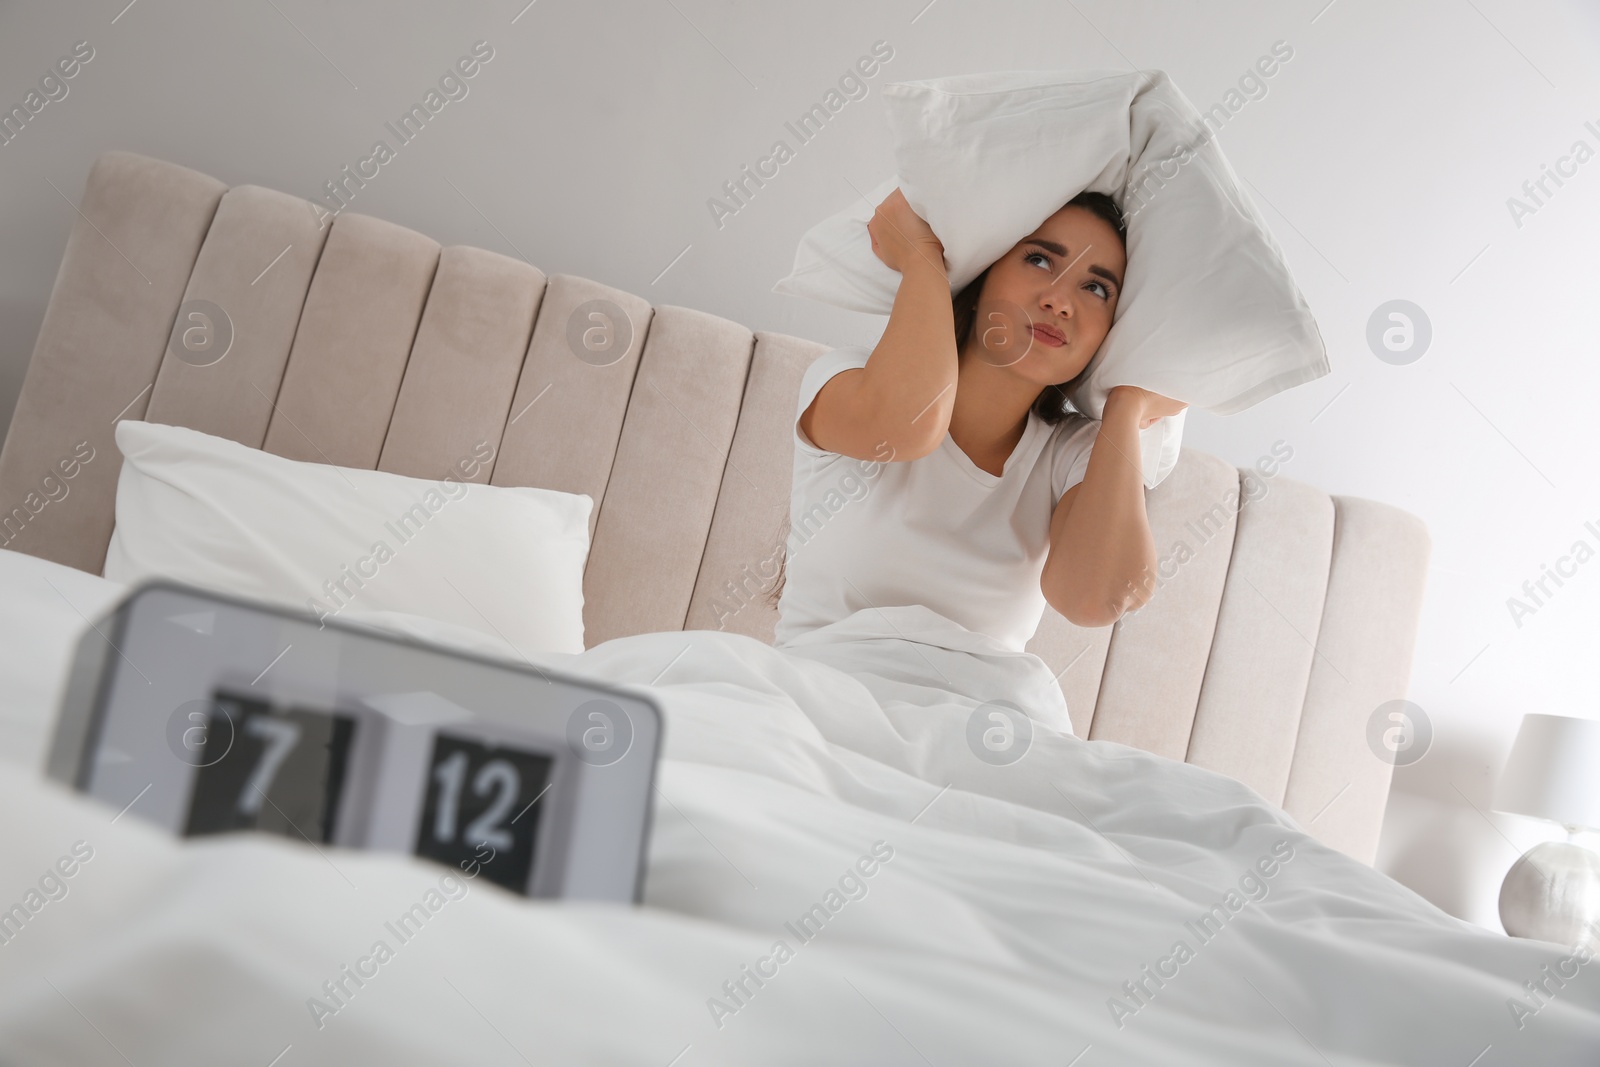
(1553, 894)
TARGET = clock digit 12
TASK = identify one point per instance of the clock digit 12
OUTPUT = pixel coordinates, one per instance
(483, 794)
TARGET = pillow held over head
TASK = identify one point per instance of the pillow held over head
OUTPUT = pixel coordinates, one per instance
(1209, 313)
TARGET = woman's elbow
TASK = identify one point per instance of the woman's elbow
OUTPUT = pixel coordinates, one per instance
(1091, 615)
(1092, 608)
(1082, 607)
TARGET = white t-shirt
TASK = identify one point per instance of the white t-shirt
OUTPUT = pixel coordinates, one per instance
(936, 530)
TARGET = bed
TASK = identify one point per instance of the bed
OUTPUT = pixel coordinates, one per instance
(1014, 914)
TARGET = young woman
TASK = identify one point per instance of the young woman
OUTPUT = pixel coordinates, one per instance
(981, 495)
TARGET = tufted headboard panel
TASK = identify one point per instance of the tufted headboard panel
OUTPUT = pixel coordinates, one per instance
(1285, 616)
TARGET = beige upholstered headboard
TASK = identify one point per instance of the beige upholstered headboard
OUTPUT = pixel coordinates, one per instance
(1283, 625)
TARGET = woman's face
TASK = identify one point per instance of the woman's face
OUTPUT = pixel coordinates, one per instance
(1047, 304)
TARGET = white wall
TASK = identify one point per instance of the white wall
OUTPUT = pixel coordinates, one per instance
(1383, 154)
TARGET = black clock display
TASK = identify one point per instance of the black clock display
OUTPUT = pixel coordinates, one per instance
(480, 794)
(262, 768)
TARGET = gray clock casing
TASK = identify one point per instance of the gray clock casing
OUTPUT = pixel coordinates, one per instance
(168, 646)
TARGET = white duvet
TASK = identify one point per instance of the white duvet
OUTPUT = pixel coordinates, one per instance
(834, 877)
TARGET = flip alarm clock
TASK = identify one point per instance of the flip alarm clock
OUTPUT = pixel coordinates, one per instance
(207, 713)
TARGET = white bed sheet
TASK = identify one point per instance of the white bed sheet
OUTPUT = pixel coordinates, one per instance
(1017, 902)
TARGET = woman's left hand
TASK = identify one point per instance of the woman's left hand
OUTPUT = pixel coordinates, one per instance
(1146, 406)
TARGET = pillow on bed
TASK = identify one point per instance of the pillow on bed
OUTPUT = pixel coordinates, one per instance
(505, 561)
(1209, 313)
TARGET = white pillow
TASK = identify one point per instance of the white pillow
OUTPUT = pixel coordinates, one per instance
(337, 541)
(1209, 313)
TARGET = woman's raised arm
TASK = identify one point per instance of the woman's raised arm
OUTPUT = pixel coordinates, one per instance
(1102, 557)
(907, 390)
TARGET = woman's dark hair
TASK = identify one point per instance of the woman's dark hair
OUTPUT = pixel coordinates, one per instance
(1052, 405)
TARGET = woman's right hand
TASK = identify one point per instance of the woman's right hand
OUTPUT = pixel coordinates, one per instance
(899, 233)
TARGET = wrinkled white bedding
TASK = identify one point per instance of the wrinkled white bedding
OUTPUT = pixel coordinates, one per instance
(960, 913)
